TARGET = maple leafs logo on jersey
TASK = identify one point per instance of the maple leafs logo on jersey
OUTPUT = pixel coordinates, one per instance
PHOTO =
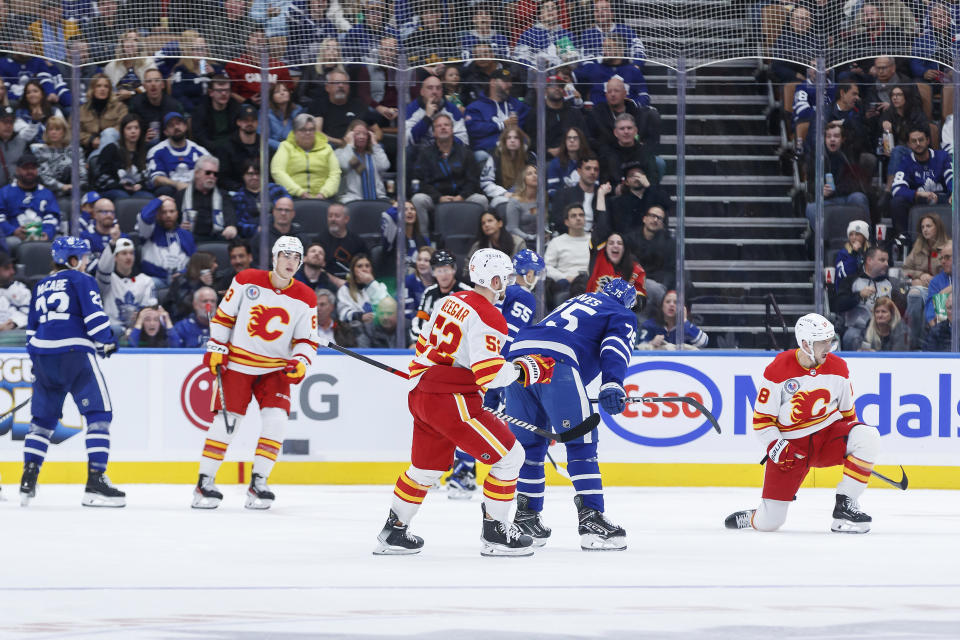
(806, 405)
(260, 318)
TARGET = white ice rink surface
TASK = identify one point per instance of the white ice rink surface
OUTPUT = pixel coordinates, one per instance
(158, 569)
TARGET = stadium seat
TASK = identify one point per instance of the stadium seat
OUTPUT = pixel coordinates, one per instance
(835, 221)
(917, 212)
(218, 249)
(311, 216)
(35, 259)
(365, 218)
(456, 226)
(126, 212)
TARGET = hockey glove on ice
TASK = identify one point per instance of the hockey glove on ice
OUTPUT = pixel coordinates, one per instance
(105, 350)
(216, 356)
(534, 369)
(613, 399)
(296, 369)
(783, 454)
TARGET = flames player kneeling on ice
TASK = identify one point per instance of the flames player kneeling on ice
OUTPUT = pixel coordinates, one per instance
(262, 338)
(804, 415)
(458, 354)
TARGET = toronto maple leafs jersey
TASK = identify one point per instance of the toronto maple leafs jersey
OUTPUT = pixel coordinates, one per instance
(20, 207)
(123, 297)
(935, 175)
(518, 307)
(66, 314)
(794, 401)
(164, 159)
(263, 326)
(592, 332)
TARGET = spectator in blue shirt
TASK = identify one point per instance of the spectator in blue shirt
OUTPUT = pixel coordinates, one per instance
(925, 176)
(28, 210)
(194, 330)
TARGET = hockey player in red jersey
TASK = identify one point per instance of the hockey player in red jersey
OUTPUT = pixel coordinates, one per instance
(458, 353)
(262, 339)
(804, 415)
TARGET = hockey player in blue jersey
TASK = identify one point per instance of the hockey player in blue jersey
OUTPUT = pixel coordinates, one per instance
(589, 335)
(65, 328)
(518, 308)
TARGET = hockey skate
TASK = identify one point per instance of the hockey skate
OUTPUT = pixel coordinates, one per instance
(395, 541)
(503, 538)
(259, 495)
(206, 495)
(529, 522)
(740, 519)
(597, 533)
(100, 492)
(28, 483)
(847, 517)
(462, 483)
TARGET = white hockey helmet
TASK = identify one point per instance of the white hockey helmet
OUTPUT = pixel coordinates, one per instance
(289, 244)
(811, 328)
(486, 264)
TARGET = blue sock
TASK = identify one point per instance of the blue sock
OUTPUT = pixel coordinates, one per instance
(585, 474)
(531, 482)
(36, 443)
(98, 445)
(464, 458)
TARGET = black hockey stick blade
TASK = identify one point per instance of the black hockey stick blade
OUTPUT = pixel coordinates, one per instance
(902, 485)
(693, 402)
(578, 431)
(370, 361)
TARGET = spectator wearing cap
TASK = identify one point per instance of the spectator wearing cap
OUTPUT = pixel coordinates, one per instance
(14, 298)
(338, 108)
(208, 209)
(561, 116)
(170, 163)
(429, 103)
(596, 73)
(629, 209)
(86, 210)
(547, 40)
(851, 256)
(487, 116)
(447, 171)
(304, 164)
(125, 291)
(214, 118)
(242, 145)
(28, 210)
(12, 145)
(168, 243)
(601, 121)
(246, 199)
(153, 104)
(625, 149)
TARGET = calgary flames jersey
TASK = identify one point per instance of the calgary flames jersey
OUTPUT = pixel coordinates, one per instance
(464, 331)
(264, 326)
(794, 401)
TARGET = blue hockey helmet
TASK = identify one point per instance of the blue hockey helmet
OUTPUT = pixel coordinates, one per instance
(621, 291)
(65, 247)
(528, 260)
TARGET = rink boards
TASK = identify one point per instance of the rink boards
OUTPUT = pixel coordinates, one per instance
(350, 423)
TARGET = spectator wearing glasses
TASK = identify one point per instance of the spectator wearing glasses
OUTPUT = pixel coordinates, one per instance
(305, 164)
(213, 120)
(655, 250)
(208, 209)
(170, 163)
(246, 199)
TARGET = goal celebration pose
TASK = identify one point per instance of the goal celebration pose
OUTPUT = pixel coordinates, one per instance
(805, 417)
(458, 353)
(262, 339)
(65, 327)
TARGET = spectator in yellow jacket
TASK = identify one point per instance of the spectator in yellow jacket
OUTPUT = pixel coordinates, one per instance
(305, 164)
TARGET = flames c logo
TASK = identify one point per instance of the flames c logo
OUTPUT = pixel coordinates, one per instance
(809, 405)
(260, 318)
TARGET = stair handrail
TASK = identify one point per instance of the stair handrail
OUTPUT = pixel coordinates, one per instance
(771, 303)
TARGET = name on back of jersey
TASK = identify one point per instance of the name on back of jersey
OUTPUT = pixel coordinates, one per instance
(56, 284)
(453, 309)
